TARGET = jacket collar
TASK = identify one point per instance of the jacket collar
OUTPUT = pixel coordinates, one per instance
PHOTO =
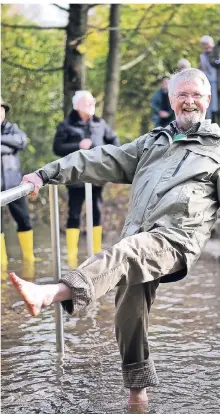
(205, 127)
(74, 118)
(198, 132)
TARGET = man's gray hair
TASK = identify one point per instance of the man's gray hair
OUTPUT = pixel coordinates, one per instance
(207, 39)
(80, 94)
(187, 75)
(183, 64)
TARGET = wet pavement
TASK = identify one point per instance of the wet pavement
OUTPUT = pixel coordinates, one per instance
(184, 336)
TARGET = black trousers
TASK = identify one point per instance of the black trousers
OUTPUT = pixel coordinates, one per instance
(20, 213)
(76, 199)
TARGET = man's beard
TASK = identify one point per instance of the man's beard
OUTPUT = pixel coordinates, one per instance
(185, 121)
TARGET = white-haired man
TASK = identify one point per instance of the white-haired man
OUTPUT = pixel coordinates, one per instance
(207, 43)
(175, 177)
(82, 129)
(183, 64)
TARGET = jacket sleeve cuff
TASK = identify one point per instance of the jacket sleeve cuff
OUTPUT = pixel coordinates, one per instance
(42, 174)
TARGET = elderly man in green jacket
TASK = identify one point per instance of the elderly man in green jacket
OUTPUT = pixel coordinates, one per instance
(175, 177)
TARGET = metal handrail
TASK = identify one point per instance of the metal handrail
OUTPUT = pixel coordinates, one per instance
(17, 192)
(89, 218)
(26, 188)
(55, 244)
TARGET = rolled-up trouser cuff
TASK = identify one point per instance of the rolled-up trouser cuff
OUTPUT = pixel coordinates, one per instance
(82, 291)
(140, 374)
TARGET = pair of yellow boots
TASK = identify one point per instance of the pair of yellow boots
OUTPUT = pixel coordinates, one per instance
(26, 242)
(72, 240)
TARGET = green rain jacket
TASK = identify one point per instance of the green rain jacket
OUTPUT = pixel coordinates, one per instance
(175, 196)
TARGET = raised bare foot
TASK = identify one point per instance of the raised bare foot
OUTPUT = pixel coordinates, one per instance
(33, 295)
(138, 396)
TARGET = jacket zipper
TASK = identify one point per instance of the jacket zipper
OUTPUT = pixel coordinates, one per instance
(181, 162)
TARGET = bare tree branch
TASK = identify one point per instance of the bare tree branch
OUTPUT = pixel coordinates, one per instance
(134, 31)
(90, 6)
(21, 26)
(60, 7)
(184, 26)
(179, 26)
(43, 69)
(145, 52)
(28, 49)
(21, 47)
(91, 30)
(98, 29)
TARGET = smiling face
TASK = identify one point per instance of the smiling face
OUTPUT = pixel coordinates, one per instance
(189, 101)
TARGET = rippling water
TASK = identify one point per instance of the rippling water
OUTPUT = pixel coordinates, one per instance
(184, 337)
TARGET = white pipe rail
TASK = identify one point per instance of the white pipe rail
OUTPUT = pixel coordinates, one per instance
(89, 218)
(55, 244)
(14, 193)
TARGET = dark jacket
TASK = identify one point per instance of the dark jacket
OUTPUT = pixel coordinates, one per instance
(160, 102)
(214, 59)
(12, 141)
(73, 130)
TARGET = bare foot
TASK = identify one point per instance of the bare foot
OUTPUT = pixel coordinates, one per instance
(33, 295)
(138, 396)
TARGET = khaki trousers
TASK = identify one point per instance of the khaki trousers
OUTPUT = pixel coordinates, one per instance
(136, 265)
(133, 305)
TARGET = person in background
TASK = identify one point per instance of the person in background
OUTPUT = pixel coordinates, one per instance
(175, 195)
(82, 129)
(162, 113)
(14, 140)
(183, 64)
(207, 43)
(214, 59)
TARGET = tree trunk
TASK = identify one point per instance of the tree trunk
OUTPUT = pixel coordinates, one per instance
(74, 68)
(144, 129)
(113, 67)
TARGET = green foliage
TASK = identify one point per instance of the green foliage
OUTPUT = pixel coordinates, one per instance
(35, 96)
(164, 32)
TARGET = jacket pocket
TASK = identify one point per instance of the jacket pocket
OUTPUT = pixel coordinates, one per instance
(181, 163)
(191, 205)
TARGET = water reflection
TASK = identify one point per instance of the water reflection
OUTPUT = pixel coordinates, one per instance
(184, 337)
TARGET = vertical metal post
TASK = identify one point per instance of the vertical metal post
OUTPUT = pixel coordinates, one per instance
(89, 218)
(55, 244)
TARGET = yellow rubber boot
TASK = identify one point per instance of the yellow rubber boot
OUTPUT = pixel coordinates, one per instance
(72, 239)
(97, 239)
(27, 245)
(4, 258)
(28, 270)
